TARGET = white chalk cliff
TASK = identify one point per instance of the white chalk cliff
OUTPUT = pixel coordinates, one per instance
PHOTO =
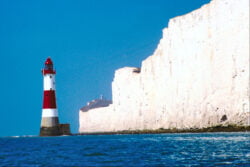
(197, 77)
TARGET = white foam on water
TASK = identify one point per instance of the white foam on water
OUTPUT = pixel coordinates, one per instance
(23, 136)
(235, 138)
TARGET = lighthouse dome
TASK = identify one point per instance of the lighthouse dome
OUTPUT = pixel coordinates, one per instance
(48, 61)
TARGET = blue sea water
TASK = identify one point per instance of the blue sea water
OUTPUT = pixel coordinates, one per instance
(197, 149)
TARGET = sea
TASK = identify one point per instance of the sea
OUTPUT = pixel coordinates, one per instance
(177, 149)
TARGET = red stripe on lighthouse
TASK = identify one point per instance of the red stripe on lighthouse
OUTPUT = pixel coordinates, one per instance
(48, 72)
(49, 99)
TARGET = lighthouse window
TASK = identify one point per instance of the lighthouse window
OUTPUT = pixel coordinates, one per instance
(49, 67)
(50, 76)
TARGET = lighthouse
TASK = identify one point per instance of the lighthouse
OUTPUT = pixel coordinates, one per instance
(50, 122)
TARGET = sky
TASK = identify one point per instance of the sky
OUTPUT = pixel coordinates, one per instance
(87, 40)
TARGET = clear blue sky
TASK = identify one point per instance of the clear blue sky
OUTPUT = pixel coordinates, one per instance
(87, 40)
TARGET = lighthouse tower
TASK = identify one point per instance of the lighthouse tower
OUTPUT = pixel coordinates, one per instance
(50, 123)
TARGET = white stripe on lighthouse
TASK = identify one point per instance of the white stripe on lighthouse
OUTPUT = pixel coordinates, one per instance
(49, 82)
(50, 113)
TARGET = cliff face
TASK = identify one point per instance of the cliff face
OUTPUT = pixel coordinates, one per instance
(197, 77)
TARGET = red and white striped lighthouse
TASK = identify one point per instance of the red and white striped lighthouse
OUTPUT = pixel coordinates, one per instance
(50, 122)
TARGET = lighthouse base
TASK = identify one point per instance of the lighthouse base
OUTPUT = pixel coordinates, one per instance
(50, 131)
(61, 129)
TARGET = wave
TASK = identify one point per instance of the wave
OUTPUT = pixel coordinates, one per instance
(23, 136)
